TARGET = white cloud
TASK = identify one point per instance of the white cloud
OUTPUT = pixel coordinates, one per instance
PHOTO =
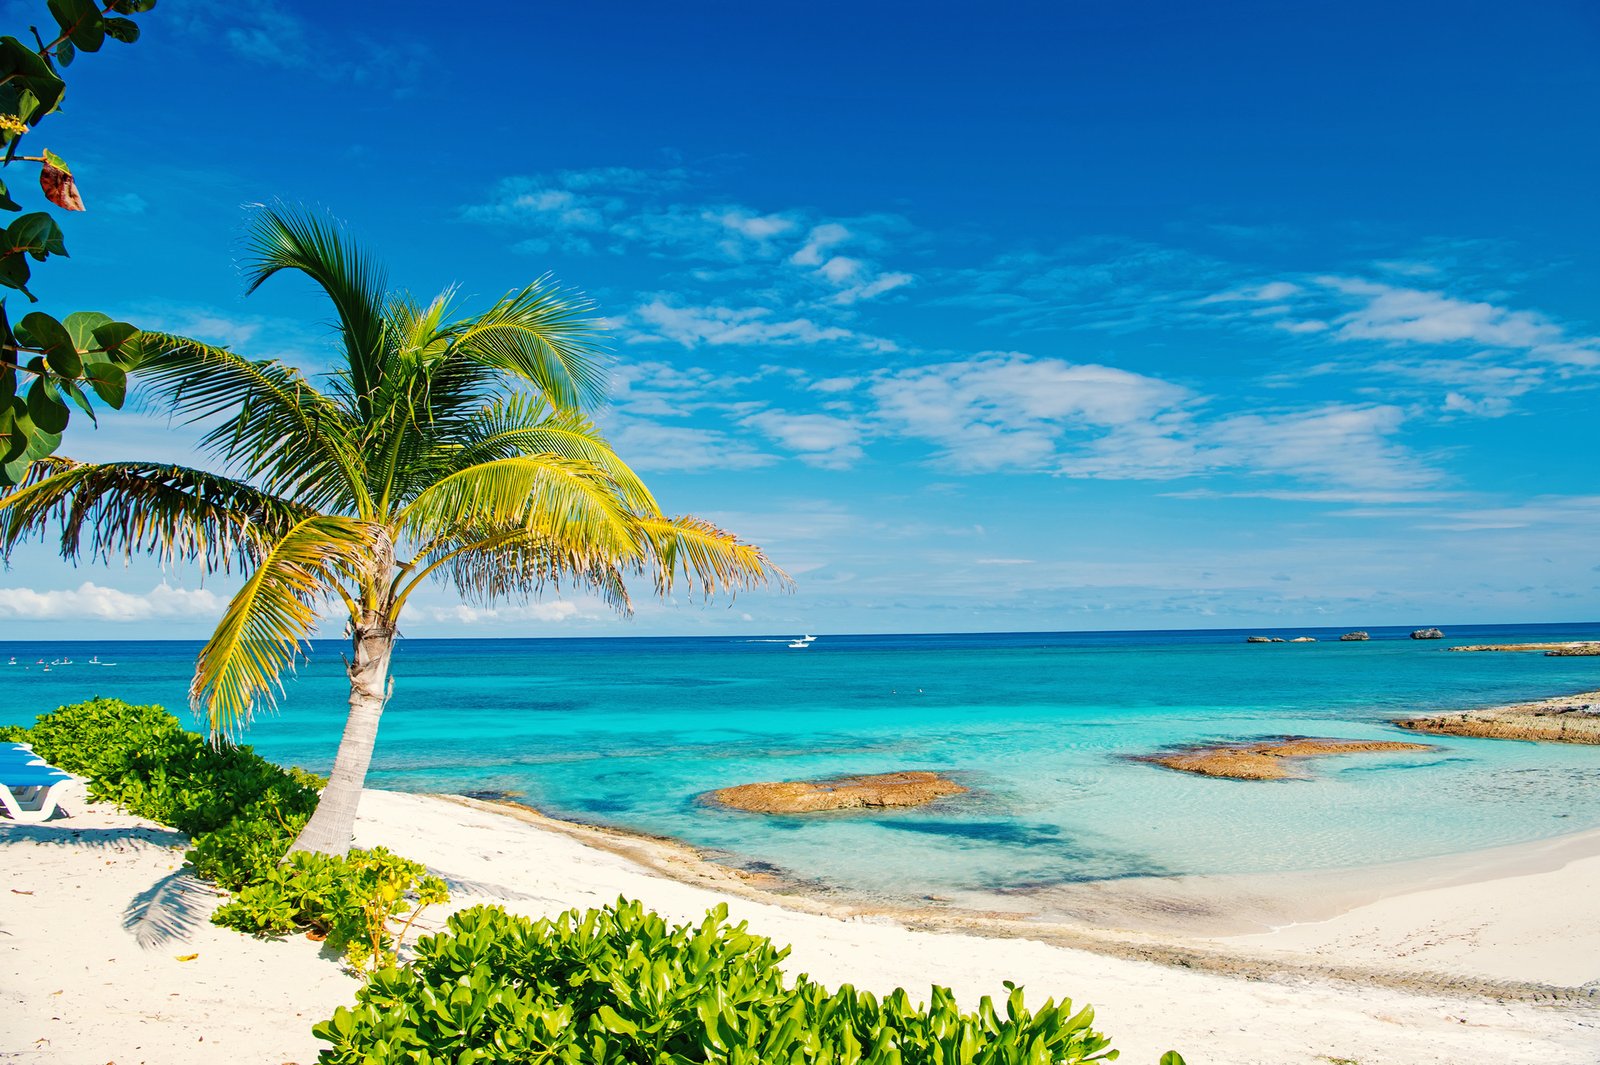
(819, 240)
(1007, 410)
(1356, 309)
(693, 326)
(1486, 407)
(1011, 411)
(90, 600)
(820, 439)
(649, 447)
(555, 611)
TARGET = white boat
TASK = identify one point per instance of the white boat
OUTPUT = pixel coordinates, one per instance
(801, 643)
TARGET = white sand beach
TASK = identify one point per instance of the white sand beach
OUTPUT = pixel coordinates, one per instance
(96, 974)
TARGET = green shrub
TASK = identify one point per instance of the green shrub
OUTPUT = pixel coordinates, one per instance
(13, 734)
(242, 812)
(352, 900)
(142, 759)
(245, 849)
(619, 985)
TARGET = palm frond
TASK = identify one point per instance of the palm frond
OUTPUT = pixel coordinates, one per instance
(543, 336)
(128, 508)
(268, 621)
(708, 558)
(517, 565)
(270, 422)
(568, 500)
(320, 248)
(525, 425)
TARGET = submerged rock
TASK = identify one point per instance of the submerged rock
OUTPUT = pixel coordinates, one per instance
(1427, 634)
(1359, 634)
(838, 793)
(1267, 759)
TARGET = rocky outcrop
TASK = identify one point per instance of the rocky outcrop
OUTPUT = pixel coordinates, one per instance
(1267, 759)
(876, 791)
(1359, 634)
(1568, 647)
(1258, 639)
(1427, 634)
(1571, 719)
(1304, 639)
(1577, 650)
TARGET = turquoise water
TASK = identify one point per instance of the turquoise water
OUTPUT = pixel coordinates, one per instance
(628, 732)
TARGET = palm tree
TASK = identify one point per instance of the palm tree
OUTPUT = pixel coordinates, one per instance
(441, 448)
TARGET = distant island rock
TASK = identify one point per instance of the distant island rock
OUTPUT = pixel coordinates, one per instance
(1258, 639)
(1359, 634)
(1304, 639)
(1266, 759)
(881, 790)
(1427, 634)
(1568, 719)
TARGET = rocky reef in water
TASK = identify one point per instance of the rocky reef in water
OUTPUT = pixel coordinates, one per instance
(1569, 719)
(1267, 759)
(881, 790)
(1551, 650)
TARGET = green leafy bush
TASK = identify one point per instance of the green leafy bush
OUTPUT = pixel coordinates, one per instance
(619, 985)
(353, 900)
(242, 813)
(142, 759)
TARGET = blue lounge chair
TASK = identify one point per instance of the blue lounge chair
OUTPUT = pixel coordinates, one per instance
(28, 787)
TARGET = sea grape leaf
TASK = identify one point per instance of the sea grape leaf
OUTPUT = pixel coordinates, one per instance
(14, 273)
(80, 20)
(122, 29)
(39, 330)
(55, 180)
(76, 395)
(39, 89)
(109, 381)
(45, 407)
(37, 234)
(6, 202)
(81, 326)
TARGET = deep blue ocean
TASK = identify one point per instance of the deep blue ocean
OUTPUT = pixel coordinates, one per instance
(628, 732)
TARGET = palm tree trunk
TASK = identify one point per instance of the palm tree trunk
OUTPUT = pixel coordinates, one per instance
(332, 826)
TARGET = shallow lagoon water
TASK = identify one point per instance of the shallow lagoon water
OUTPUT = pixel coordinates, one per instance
(628, 732)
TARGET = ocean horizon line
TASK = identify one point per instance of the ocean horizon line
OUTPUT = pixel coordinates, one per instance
(1402, 629)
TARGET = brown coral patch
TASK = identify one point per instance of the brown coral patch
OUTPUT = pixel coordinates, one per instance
(1267, 760)
(879, 790)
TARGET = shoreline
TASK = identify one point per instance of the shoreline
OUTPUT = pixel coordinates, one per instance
(1225, 924)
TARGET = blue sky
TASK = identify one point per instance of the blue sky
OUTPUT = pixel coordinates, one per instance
(1044, 316)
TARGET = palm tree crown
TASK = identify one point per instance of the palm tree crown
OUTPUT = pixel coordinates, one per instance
(442, 448)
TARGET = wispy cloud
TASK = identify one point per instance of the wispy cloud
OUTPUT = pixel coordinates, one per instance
(713, 325)
(1011, 411)
(823, 440)
(90, 600)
